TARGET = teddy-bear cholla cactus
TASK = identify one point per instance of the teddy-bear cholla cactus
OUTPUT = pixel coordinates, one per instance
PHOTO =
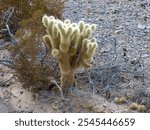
(71, 44)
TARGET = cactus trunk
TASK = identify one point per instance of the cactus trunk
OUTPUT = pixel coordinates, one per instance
(68, 79)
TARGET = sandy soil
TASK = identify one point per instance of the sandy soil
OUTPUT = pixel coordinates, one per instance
(13, 98)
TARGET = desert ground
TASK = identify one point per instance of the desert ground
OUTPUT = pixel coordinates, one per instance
(118, 81)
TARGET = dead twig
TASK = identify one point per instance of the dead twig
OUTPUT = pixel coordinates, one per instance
(3, 83)
(61, 92)
(45, 55)
(14, 40)
(8, 14)
(7, 63)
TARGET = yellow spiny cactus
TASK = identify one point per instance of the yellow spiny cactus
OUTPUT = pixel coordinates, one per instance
(71, 44)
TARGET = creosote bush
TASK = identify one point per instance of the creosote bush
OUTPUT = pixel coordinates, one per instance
(31, 64)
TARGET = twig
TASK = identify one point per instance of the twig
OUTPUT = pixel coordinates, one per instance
(3, 30)
(54, 105)
(61, 92)
(90, 81)
(7, 17)
(14, 41)
(7, 63)
(125, 85)
(11, 11)
(46, 52)
(7, 81)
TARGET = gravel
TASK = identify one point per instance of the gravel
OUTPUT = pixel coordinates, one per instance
(126, 20)
(120, 24)
(123, 36)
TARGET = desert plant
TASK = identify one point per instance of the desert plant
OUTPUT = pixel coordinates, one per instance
(31, 64)
(24, 9)
(71, 44)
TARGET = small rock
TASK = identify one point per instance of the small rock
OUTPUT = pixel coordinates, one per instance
(6, 100)
(115, 11)
(98, 109)
(120, 27)
(144, 4)
(104, 105)
(145, 17)
(141, 26)
(145, 55)
(118, 31)
(148, 27)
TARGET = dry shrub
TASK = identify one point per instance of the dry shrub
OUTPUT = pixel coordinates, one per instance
(24, 9)
(33, 67)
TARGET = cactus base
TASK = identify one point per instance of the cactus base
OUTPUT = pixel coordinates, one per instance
(68, 79)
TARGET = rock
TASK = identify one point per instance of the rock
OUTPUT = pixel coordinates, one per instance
(5, 101)
(118, 31)
(104, 105)
(98, 109)
(141, 26)
(148, 27)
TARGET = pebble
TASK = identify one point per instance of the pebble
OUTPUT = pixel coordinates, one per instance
(98, 109)
(148, 27)
(127, 19)
(118, 31)
(5, 101)
(141, 26)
